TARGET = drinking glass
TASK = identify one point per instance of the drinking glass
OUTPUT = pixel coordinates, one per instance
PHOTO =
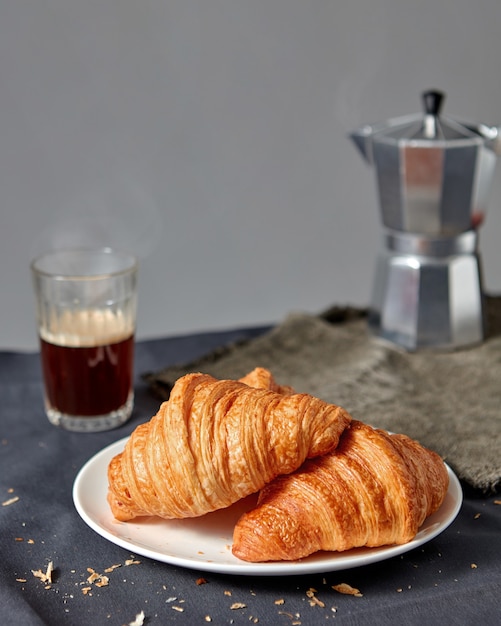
(86, 302)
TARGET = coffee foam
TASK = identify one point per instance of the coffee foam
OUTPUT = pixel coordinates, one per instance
(87, 328)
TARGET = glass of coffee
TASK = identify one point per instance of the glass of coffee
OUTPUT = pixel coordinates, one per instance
(86, 311)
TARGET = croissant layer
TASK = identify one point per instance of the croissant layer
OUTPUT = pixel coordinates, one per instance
(216, 441)
(374, 489)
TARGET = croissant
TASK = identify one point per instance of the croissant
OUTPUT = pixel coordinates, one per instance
(261, 378)
(216, 441)
(374, 489)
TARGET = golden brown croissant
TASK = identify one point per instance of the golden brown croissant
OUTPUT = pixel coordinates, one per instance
(374, 489)
(261, 378)
(214, 442)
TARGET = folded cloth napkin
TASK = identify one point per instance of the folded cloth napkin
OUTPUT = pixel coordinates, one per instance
(449, 401)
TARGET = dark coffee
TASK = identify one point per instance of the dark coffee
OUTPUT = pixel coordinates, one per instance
(90, 380)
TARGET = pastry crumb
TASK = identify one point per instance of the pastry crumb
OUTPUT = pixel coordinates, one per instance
(347, 590)
(296, 621)
(139, 621)
(10, 501)
(45, 577)
(314, 601)
(100, 580)
(108, 570)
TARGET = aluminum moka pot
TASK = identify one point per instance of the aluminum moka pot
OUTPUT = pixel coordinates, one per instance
(433, 178)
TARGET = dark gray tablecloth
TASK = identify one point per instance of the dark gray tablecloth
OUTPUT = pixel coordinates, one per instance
(455, 578)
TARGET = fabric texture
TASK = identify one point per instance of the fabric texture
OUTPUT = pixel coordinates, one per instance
(448, 401)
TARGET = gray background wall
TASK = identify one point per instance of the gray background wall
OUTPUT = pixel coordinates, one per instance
(210, 137)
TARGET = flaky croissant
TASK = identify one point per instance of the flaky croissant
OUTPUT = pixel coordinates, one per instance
(216, 441)
(261, 378)
(374, 489)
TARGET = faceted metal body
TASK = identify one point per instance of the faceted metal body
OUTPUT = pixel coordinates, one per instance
(430, 185)
(433, 190)
(424, 300)
(433, 177)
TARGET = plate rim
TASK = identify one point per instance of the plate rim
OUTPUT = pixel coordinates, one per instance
(320, 562)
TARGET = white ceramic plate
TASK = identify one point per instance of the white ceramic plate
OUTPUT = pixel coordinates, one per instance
(204, 543)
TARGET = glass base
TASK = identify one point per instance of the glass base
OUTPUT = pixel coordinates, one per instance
(91, 423)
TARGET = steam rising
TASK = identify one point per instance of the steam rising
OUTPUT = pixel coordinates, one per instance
(120, 215)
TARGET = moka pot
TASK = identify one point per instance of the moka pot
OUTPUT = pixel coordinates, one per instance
(433, 178)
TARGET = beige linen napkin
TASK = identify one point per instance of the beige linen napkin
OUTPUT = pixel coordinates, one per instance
(449, 401)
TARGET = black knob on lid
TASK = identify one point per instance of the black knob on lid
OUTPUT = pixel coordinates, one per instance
(432, 101)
